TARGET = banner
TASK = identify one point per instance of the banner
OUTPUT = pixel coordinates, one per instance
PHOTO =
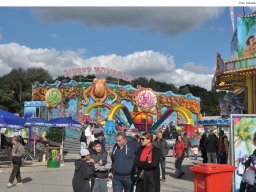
(231, 9)
(246, 29)
(243, 128)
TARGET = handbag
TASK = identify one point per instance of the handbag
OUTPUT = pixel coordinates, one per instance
(16, 160)
(139, 173)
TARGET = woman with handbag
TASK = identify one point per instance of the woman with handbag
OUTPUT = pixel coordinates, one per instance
(147, 164)
(179, 154)
(18, 152)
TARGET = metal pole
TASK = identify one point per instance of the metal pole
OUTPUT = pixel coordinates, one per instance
(231, 150)
(61, 152)
(32, 91)
(146, 122)
(34, 145)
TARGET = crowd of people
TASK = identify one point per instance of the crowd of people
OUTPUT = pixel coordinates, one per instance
(214, 149)
(136, 163)
(132, 163)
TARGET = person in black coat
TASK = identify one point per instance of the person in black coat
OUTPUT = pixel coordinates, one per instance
(210, 145)
(202, 148)
(84, 170)
(147, 161)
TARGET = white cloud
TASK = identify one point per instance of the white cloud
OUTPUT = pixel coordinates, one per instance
(1, 36)
(167, 20)
(149, 64)
(190, 66)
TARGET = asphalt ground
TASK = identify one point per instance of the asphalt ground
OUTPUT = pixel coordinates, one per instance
(36, 177)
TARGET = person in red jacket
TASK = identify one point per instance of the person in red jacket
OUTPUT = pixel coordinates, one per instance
(179, 154)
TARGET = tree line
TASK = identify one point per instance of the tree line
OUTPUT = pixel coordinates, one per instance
(16, 88)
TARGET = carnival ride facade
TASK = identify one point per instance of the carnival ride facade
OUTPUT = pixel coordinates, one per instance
(112, 104)
(238, 74)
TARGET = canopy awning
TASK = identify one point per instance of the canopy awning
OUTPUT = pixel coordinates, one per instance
(214, 122)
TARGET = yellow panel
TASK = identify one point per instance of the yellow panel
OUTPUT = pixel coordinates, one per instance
(186, 113)
(113, 110)
(249, 85)
(92, 106)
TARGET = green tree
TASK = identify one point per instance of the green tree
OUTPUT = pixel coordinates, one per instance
(37, 74)
(16, 87)
(209, 99)
(142, 81)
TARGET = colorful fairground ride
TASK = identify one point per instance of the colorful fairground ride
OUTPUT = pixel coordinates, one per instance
(116, 107)
(237, 75)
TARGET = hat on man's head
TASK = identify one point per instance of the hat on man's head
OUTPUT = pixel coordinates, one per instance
(84, 152)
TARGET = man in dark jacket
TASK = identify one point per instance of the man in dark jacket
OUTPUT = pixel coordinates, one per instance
(167, 133)
(164, 148)
(123, 156)
(84, 170)
(210, 145)
(171, 127)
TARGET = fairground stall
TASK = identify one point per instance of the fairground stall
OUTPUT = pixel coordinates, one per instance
(238, 73)
(215, 123)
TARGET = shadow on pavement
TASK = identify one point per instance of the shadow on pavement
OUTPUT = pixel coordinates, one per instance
(69, 160)
(189, 176)
(26, 180)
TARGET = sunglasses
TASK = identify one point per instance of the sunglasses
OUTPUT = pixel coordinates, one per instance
(142, 138)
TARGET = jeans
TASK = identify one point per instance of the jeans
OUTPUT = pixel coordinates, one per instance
(99, 185)
(212, 157)
(222, 157)
(195, 156)
(178, 163)
(162, 165)
(15, 173)
(121, 183)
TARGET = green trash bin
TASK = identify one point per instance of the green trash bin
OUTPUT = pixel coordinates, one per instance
(54, 158)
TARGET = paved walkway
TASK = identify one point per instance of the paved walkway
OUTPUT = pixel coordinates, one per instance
(39, 178)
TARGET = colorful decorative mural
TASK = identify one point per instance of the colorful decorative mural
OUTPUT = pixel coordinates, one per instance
(244, 127)
(246, 31)
(131, 105)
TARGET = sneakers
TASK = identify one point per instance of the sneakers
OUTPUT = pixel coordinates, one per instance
(9, 185)
(162, 180)
(19, 184)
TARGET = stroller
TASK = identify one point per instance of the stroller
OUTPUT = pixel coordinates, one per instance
(248, 176)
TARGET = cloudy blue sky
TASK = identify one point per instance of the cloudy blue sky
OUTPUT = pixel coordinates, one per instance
(172, 44)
